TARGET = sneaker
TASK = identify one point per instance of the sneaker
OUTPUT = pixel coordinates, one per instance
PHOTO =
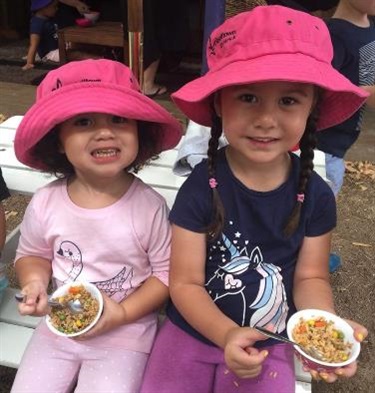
(334, 262)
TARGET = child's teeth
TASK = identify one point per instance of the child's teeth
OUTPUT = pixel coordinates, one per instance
(105, 153)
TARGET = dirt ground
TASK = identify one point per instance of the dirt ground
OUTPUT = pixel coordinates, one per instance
(354, 241)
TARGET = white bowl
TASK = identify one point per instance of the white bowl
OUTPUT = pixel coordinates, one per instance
(339, 323)
(93, 16)
(63, 290)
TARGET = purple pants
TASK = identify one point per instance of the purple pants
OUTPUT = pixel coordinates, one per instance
(180, 363)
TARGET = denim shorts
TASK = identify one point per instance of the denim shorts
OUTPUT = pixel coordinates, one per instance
(335, 169)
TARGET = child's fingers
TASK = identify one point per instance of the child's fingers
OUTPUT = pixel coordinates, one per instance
(360, 332)
(250, 358)
(347, 371)
(35, 303)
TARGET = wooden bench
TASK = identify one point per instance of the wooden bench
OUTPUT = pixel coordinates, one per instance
(15, 330)
(109, 34)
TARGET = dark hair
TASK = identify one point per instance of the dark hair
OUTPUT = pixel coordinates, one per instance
(47, 152)
(307, 145)
(218, 213)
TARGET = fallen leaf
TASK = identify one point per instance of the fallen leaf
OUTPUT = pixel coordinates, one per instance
(361, 244)
(9, 214)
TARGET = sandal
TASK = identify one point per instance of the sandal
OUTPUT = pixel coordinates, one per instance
(160, 90)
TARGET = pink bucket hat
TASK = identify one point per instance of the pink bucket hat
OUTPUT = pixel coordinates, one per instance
(101, 86)
(271, 43)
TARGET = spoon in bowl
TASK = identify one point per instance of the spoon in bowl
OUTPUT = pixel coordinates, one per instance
(311, 351)
(74, 306)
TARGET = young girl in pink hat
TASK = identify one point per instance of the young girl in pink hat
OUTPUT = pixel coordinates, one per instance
(252, 225)
(92, 126)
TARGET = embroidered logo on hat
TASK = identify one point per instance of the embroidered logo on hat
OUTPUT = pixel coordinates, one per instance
(271, 43)
(221, 40)
(98, 86)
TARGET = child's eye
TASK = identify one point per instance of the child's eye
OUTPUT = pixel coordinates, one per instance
(288, 101)
(82, 121)
(119, 119)
(248, 98)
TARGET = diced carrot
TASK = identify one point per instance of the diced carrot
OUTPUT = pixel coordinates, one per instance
(320, 324)
(74, 290)
(302, 329)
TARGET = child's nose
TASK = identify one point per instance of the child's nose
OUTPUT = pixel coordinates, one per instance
(265, 117)
(104, 130)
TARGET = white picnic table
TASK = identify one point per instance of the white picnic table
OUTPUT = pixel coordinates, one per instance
(16, 330)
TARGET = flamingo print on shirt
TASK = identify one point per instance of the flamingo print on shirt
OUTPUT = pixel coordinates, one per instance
(116, 287)
(270, 304)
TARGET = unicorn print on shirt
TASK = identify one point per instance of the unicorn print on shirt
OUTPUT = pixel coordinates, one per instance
(270, 303)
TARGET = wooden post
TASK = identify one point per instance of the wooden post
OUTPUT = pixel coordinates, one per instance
(135, 35)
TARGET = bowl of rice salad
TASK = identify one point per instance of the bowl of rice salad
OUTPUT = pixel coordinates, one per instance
(330, 334)
(65, 323)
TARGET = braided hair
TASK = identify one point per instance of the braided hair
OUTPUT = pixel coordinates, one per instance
(307, 145)
(217, 224)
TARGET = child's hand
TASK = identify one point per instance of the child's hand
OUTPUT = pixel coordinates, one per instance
(82, 7)
(360, 333)
(28, 66)
(35, 303)
(113, 316)
(244, 360)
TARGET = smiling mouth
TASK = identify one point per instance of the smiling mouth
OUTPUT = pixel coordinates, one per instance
(262, 139)
(104, 153)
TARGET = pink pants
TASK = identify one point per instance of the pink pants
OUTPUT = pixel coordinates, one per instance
(179, 363)
(58, 364)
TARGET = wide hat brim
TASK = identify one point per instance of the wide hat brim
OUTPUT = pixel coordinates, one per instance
(340, 99)
(73, 100)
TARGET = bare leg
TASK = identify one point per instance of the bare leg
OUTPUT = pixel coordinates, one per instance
(149, 86)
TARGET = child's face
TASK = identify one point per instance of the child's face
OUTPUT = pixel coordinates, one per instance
(99, 145)
(262, 121)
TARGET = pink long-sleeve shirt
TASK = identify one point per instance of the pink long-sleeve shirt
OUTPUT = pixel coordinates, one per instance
(117, 248)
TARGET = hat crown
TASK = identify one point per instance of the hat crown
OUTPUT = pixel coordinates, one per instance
(248, 36)
(87, 73)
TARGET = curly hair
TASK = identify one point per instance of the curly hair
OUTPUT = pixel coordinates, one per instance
(48, 153)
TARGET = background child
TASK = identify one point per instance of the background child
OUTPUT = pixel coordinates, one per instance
(47, 17)
(99, 223)
(43, 32)
(352, 30)
(252, 225)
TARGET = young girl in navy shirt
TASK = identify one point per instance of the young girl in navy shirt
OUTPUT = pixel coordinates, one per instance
(252, 224)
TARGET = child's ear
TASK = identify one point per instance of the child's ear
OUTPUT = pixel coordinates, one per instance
(217, 104)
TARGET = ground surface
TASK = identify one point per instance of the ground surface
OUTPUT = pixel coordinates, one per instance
(354, 241)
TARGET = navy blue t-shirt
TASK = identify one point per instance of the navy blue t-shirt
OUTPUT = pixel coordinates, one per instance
(250, 267)
(354, 57)
(47, 30)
